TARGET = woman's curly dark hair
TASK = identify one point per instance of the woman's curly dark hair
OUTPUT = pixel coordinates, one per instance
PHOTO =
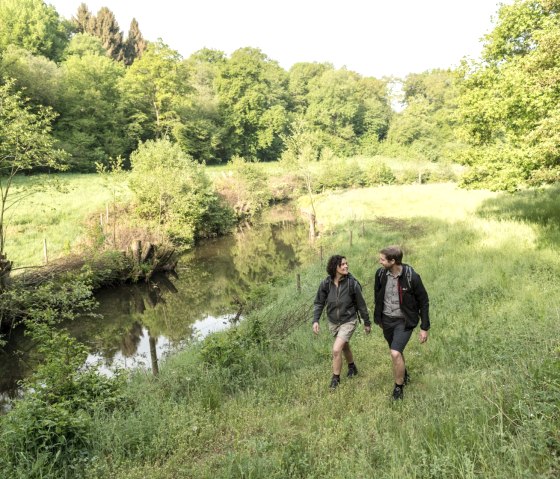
(334, 262)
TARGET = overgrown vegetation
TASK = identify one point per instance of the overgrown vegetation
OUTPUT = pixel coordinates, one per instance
(253, 401)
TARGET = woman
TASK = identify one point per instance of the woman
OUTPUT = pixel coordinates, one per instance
(342, 294)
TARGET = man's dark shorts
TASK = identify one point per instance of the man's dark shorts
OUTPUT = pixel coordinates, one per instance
(395, 333)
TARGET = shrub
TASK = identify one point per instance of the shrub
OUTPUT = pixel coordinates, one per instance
(379, 174)
(244, 188)
(174, 192)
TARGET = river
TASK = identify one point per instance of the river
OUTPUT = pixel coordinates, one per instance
(141, 323)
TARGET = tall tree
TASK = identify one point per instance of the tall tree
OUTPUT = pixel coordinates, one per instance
(135, 44)
(83, 21)
(508, 107)
(91, 124)
(253, 100)
(35, 75)
(201, 132)
(106, 28)
(154, 89)
(33, 25)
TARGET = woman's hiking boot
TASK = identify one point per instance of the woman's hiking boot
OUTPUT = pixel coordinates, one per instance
(352, 370)
(398, 392)
(335, 381)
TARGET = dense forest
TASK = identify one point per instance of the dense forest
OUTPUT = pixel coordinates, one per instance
(98, 95)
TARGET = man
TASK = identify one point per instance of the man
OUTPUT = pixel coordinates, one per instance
(342, 294)
(400, 302)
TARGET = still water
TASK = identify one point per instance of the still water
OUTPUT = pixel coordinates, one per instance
(142, 323)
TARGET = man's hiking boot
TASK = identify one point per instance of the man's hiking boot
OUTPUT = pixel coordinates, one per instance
(406, 377)
(335, 381)
(352, 371)
(398, 392)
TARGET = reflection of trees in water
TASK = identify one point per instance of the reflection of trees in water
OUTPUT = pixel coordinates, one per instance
(269, 252)
(131, 339)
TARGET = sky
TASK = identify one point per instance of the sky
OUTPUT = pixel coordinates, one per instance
(372, 37)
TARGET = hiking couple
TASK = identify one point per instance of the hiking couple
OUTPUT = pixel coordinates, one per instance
(401, 301)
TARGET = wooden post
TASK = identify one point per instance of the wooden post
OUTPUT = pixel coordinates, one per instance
(136, 248)
(350, 237)
(107, 213)
(363, 229)
(321, 253)
(101, 219)
(153, 355)
(45, 251)
(298, 283)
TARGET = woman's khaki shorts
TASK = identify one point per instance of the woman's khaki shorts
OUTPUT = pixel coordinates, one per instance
(344, 330)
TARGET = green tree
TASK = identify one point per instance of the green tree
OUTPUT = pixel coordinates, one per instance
(509, 102)
(84, 20)
(33, 25)
(25, 144)
(106, 28)
(201, 132)
(35, 75)
(82, 44)
(425, 128)
(300, 75)
(154, 89)
(135, 44)
(253, 102)
(91, 124)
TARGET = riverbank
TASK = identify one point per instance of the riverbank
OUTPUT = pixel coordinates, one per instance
(254, 401)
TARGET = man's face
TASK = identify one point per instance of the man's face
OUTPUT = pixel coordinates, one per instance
(383, 261)
(342, 268)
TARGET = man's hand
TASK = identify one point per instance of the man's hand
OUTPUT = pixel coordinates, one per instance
(367, 329)
(316, 328)
(423, 336)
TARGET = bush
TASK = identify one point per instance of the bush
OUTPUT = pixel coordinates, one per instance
(339, 173)
(244, 188)
(174, 192)
(379, 174)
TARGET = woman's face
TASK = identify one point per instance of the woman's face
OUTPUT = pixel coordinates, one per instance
(342, 268)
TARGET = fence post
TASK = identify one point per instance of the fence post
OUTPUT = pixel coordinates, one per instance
(298, 283)
(350, 237)
(45, 251)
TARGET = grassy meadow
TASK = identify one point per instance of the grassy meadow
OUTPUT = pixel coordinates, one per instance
(484, 399)
(58, 213)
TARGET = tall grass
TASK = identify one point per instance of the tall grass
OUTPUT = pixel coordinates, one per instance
(485, 393)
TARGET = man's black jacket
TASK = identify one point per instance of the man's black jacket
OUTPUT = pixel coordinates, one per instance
(413, 298)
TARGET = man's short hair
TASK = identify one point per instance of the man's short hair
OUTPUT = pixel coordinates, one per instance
(393, 252)
(334, 262)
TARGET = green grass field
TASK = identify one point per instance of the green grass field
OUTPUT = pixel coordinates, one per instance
(485, 393)
(57, 214)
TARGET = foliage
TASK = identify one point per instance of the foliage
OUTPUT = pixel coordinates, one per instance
(153, 89)
(90, 127)
(52, 423)
(253, 102)
(33, 25)
(425, 128)
(135, 45)
(34, 75)
(379, 174)
(25, 145)
(508, 104)
(244, 188)
(173, 191)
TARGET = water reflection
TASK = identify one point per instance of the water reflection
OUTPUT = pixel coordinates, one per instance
(140, 324)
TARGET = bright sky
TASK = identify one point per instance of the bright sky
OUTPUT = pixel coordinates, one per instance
(372, 37)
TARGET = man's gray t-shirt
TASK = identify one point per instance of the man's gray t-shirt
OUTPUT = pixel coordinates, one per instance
(391, 303)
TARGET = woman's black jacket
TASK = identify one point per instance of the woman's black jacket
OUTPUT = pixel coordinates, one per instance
(413, 298)
(343, 303)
